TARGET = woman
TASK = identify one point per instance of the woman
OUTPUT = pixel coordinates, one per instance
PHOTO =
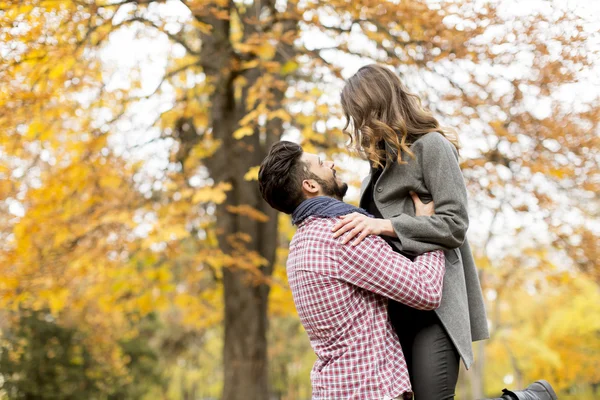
(410, 152)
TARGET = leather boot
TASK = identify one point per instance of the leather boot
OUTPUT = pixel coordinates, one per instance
(538, 390)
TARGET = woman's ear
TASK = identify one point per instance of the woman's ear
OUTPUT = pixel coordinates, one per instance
(310, 186)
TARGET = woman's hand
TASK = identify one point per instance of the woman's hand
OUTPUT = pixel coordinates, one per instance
(359, 226)
(363, 226)
(422, 209)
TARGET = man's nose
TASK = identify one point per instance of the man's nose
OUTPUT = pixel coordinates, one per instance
(330, 164)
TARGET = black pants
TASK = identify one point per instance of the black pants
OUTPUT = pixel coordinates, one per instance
(431, 357)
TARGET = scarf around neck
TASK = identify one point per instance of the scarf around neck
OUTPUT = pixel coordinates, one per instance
(323, 206)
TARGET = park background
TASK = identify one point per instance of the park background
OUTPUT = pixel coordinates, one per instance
(137, 258)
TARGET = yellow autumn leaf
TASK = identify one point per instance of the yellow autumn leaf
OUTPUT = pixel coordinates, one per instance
(163, 274)
(249, 117)
(35, 128)
(243, 131)
(145, 303)
(238, 87)
(202, 27)
(250, 64)
(200, 119)
(248, 211)
(110, 181)
(252, 174)
(499, 128)
(172, 232)
(281, 114)
(266, 51)
(57, 299)
(289, 67)
(61, 236)
(215, 194)
(245, 47)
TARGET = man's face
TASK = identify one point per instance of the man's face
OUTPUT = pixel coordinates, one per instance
(324, 174)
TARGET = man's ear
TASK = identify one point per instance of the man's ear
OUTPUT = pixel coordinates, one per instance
(310, 186)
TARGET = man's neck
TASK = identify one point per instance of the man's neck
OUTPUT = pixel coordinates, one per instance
(308, 197)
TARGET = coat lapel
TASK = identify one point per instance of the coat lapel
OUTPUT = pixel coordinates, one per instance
(363, 188)
(367, 181)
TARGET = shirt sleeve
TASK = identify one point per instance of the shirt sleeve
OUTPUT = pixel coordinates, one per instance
(444, 180)
(373, 265)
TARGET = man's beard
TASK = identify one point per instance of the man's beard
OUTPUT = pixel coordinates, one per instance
(331, 187)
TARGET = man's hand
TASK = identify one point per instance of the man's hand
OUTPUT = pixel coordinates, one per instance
(421, 209)
(357, 224)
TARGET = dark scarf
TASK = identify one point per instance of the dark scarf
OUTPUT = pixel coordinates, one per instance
(323, 206)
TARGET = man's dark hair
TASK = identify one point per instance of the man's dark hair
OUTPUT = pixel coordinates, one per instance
(280, 176)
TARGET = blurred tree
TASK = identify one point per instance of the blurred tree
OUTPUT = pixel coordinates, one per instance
(545, 326)
(87, 229)
(40, 359)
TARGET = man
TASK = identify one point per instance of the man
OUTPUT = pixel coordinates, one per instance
(340, 290)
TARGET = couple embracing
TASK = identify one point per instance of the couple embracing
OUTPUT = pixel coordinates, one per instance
(388, 293)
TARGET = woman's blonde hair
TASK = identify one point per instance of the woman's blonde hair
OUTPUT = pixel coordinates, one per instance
(379, 107)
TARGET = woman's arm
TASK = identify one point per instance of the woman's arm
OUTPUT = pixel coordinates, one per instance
(447, 228)
(443, 178)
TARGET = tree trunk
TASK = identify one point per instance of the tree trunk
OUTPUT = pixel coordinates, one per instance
(245, 293)
(245, 290)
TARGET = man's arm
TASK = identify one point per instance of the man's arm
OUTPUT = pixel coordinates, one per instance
(374, 266)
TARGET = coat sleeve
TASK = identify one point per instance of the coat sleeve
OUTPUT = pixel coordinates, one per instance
(444, 180)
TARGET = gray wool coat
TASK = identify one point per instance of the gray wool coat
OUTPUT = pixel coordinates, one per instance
(435, 174)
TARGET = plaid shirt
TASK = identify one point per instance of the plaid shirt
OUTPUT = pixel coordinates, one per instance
(341, 292)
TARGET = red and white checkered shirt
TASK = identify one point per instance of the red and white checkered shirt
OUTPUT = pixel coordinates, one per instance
(341, 293)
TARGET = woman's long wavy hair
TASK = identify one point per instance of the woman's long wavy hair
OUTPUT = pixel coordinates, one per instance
(379, 108)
